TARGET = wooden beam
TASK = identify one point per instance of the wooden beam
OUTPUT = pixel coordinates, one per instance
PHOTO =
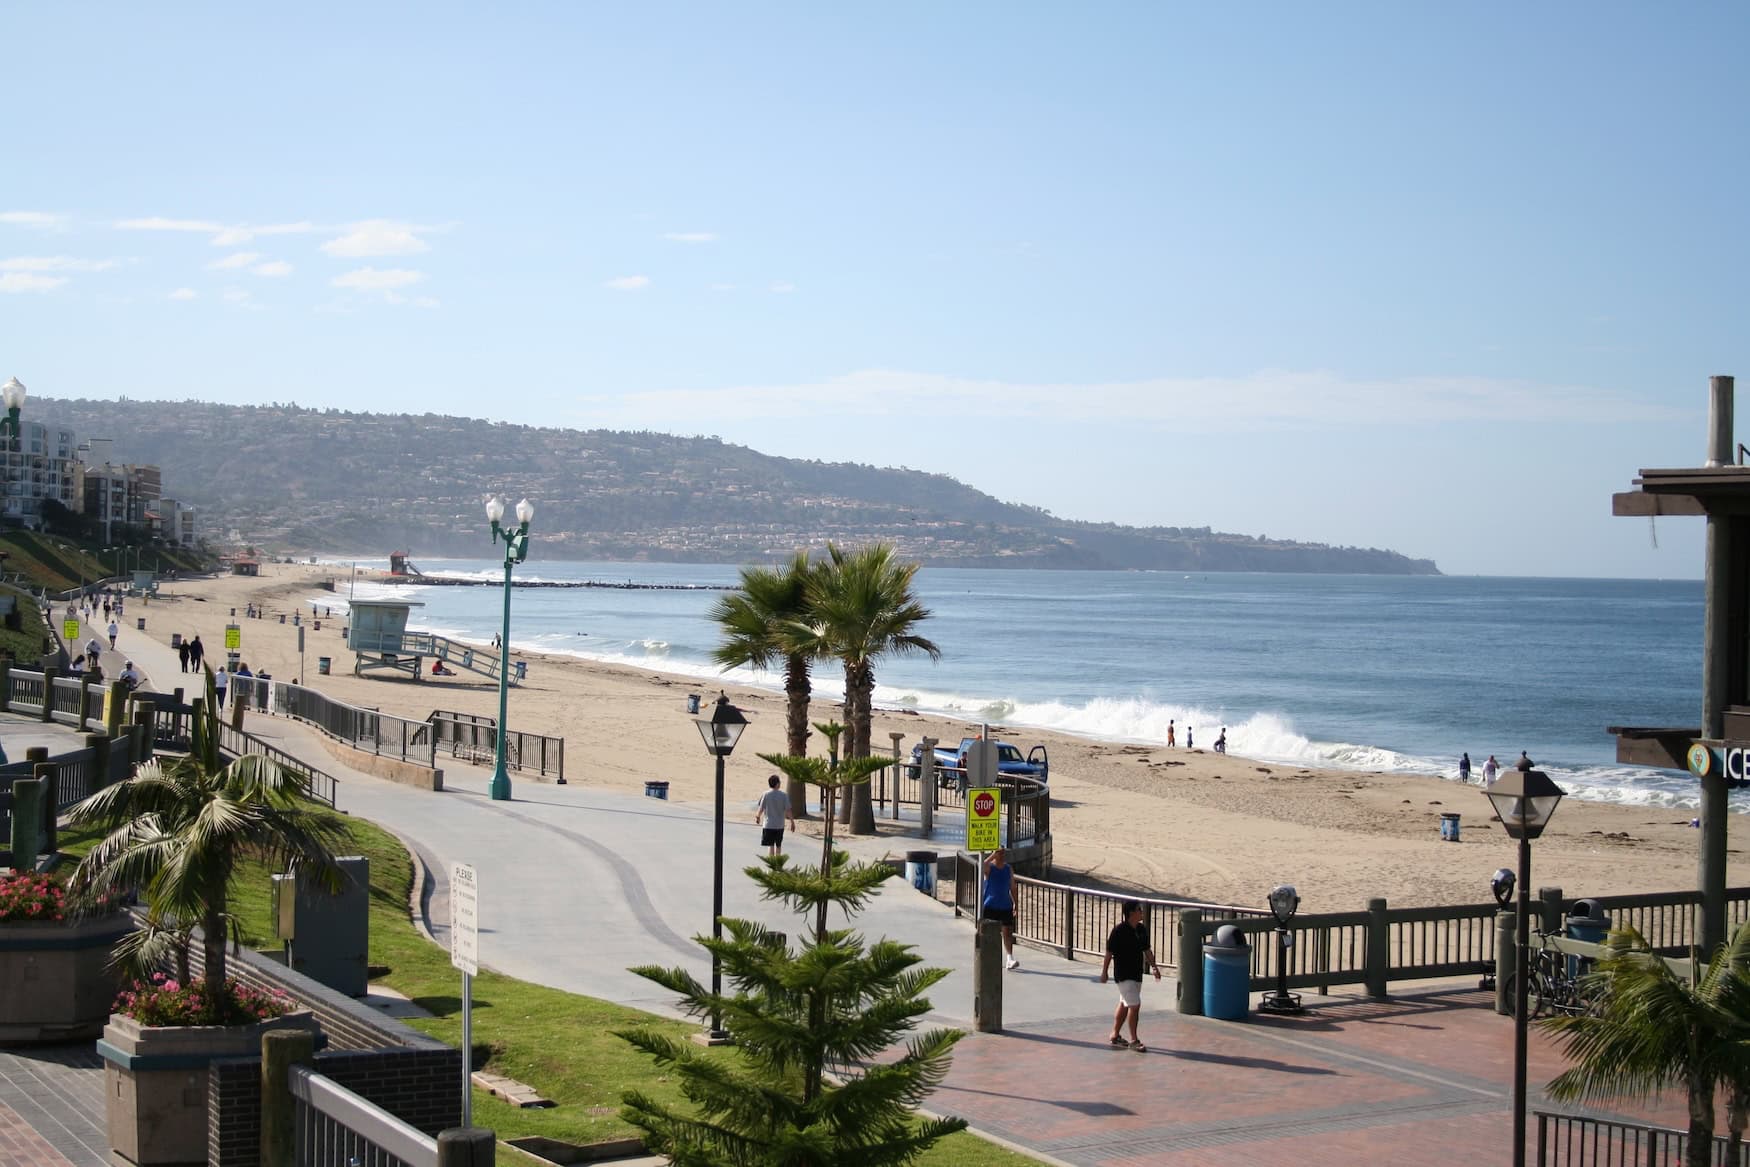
(1636, 503)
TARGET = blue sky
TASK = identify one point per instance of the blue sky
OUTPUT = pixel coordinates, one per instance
(1438, 278)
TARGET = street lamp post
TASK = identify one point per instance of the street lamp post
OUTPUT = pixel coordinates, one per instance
(1524, 801)
(721, 731)
(516, 549)
(12, 397)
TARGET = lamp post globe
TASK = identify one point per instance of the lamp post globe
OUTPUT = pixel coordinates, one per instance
(12, 397)
(516, 549)
(721, 731)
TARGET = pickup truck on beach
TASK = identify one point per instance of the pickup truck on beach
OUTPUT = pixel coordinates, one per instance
(951, 762)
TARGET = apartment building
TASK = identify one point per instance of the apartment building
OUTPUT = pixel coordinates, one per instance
(40, 463)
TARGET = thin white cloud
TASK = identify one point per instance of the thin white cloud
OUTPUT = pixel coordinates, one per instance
(235, 295)
(1272, 397)
(690, 236)
(723, 287)
(25, 281)
(378, 237)
(278, 267)
(42, 220)
(41, 263)
(628, 283)
(233, 236)
(783, 286)
(370, 279)
(223, 234)
(235, 259)
(184, 294)
(155, 223)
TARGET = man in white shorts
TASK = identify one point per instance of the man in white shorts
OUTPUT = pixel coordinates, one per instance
(1128, 955)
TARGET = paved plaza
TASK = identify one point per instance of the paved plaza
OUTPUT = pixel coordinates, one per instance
(577, 884)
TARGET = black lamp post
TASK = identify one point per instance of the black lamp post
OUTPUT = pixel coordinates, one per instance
(721, 731)
(516, 549)
(1284, 901)
(12, 397)
(1524, 801)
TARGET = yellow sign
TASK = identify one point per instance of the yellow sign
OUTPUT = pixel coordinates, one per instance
(70, 630)
(984, 818)
(233, 638)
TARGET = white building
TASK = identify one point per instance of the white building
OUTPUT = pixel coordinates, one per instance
(41, 463)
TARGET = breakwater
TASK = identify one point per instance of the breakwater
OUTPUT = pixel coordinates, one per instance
(454, 581)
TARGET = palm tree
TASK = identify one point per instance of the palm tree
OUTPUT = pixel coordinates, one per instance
(759, 629)
(180, 827)
(862, 607)
(1656, 1028)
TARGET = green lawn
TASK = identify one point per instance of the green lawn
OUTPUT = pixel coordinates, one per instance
(560, 1043)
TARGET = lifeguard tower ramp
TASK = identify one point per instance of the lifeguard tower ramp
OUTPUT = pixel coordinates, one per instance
(378, 637)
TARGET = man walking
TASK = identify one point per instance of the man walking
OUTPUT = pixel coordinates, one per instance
(196, 653)
(114, 631)
(1127, 955)
(774, 808)
(999, 900)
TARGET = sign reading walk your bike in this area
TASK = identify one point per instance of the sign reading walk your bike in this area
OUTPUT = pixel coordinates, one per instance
(984, 818)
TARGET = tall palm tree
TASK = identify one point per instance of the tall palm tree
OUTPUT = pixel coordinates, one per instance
(861, 608)
(759, 625)
(180, 827)
(1656, 1028)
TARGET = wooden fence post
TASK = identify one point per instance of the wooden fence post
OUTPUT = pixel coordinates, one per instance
(1378, 949)
(468, 1146)
(48, 694)
(1549, 901)
(27, 823)
(115, 706)
(5, 684)
(281, 1049)
(49, 775)
(99, 747)
(1191, 961)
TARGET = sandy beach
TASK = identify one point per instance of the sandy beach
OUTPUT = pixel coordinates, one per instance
(1184, 823)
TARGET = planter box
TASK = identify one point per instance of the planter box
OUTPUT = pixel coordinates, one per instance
(55, 983)
(155, 1083)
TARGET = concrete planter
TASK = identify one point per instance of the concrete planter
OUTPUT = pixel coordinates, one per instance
(155, 1083)
(55, 983)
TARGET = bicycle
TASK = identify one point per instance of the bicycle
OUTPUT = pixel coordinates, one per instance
(1558, 983)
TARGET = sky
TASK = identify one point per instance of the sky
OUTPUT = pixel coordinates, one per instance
(1432, 277)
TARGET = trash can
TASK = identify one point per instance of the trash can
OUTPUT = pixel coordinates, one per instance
(140, 623)
(920, 871)
(1589, 922)
(176, 640)
(1449, 827)
(1227, 970)
(322, 665)
(656, 790)
(692, 702)
(282, 617)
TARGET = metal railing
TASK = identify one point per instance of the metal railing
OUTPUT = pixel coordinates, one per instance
(369, 730)
(475, 738)
(1573, 1140)
(332, 1125)
(318, 785)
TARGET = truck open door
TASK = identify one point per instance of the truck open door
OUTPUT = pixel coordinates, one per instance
(1038, 757)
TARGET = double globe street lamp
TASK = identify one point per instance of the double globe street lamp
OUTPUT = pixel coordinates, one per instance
(516, 549)
(12, 397)
(721, 731)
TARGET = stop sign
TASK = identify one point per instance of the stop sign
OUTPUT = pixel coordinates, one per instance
(984, 805)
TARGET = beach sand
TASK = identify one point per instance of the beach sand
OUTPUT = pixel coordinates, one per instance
(1173, 822)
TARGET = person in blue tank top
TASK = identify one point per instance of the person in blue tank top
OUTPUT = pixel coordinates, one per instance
(999, 900)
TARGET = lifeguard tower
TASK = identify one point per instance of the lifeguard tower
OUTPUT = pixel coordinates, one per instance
(379, 639)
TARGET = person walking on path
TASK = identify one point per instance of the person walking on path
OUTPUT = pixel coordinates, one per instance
(197, 652)
(1491, 768)
(183, 651)
(999, 900)
(114, 631)
(1128, 956)
(774, 808)
(1464, 768)
(94, 650)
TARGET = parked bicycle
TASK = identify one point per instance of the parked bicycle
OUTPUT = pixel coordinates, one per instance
(1559, 984)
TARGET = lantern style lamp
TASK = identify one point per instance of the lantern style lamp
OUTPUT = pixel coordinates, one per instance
(12, 397)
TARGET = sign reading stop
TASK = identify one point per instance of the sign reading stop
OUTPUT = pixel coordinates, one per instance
(984, 818)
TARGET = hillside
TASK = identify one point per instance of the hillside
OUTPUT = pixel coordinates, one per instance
(339, 482)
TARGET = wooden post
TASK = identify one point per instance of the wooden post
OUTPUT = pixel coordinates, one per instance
(5, 684)
(1505, 956)
(27, 823)
(84, 700)
(48, 694)
(1549, 901)
(1191, 961)
(98, 744)
(281, 1049)
(927, 788)
(987, 977)
(897, 738)
(1378, 962)
(49, 775)
(115, 706)
(466, 1147)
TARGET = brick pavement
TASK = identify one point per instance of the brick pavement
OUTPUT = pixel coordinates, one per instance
(51, 1107)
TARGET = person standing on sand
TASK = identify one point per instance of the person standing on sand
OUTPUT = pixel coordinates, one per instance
(1170, 741)
(1221, 741)
(1128, 956)
(1188, 732)
(999, 900)
(774, 808)
(1464, 768)
(1491, 768)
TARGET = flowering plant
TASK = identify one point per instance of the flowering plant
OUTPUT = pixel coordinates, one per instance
(163, 1000)
(31, 898)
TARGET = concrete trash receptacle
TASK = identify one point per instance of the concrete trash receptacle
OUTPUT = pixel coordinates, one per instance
(920, 871)
(1227, 970)
(656, 790)
(1589, 922)
(1449, 827)
(322, 665)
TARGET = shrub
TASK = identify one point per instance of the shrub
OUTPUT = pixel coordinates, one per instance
(31, 898)
(163, 1000)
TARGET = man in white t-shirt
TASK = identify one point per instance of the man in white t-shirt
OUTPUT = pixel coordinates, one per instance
(774, 808)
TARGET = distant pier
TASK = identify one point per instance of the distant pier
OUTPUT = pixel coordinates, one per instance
(448, 581)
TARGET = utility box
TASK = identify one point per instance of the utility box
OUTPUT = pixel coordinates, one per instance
(328, 933)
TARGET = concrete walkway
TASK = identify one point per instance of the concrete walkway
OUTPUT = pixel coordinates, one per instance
(578, 884)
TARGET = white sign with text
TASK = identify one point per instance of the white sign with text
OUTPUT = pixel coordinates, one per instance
(464, 919)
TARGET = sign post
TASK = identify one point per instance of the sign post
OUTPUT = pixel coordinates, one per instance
(984, 819)
(465, 955)
(300, 654)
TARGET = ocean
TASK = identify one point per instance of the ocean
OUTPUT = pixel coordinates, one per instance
(1356, 672)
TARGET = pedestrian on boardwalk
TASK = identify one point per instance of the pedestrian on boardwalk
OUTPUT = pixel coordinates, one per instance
(1170, 740)
(114, 631)
(1464, 768)
(999, 900)
(197, 652)
(106, 609)
(183, 651)
(774, 808)
(1490, 769)
(1128, 956)
(94, 650)
(221, 681)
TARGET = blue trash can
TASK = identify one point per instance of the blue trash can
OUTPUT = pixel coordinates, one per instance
(1449, 827)
(1589, 922)
(656, 790)
(1227, 970)
(920, 871)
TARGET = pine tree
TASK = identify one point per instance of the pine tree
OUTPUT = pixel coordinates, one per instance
(801, 1089)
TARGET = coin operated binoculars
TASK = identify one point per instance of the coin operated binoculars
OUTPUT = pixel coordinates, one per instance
(1284, 902)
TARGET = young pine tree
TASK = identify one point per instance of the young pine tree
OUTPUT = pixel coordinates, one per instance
(800, 1089)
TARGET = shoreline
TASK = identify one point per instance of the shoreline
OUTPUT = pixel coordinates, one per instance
(1182, 823)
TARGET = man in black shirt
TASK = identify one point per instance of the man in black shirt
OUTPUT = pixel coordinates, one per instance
(1128, 955)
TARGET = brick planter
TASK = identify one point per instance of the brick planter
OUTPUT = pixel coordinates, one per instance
(155, 1083)
(55, 984)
